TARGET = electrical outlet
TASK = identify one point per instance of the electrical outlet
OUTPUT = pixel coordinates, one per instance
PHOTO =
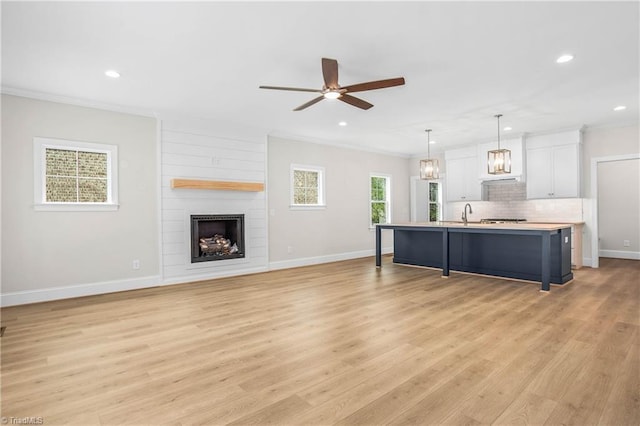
(626, 243)
(289, 249)
(135, 264)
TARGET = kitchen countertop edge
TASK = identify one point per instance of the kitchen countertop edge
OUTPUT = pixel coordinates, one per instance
(533, 226)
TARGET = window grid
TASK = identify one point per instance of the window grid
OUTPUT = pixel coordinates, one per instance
(307, 186)
(76, 176)
(434, 202)
(379, 200)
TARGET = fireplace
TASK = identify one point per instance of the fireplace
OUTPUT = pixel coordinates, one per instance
(217, 237)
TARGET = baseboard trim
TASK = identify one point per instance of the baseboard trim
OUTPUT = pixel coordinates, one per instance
(80, 290)
(316, 260)
(620, 254)
(105, 287)
(212, 276)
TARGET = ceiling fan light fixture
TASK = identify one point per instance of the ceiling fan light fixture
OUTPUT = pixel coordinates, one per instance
(499, 160)
(332, 94)
(112, 74)
(564, 59)
(429, 168)
(332, 89)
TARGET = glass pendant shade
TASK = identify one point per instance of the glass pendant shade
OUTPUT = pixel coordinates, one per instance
(499, 160)
(429, 168)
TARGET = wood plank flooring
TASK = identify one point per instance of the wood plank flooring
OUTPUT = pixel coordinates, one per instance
(341, 343)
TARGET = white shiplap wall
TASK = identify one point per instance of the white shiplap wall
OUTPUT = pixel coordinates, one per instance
(219, 151)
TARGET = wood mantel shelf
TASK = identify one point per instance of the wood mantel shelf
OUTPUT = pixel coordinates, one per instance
(216, 184)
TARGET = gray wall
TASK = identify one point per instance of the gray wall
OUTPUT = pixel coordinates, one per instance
(619, 207)
(340, 231)
(48, 254)
(603, 142)
(607, 142)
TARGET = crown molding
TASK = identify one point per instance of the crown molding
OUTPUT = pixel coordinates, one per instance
(51, 97)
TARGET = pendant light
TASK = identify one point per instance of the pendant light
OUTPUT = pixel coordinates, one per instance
(499, 160)
(429, 169)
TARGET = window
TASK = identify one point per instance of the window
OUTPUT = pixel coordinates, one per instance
(74, 175)
(380, 196)
(434, 201)
(307, 186)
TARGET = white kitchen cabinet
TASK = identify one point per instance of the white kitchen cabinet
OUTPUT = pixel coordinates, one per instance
(553, 166)
(539, 176)
(462, 179)
(515, 145)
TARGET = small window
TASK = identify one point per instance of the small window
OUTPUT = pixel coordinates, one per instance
(435, 201)
(307, 186)
(74, 175)
(380, 199)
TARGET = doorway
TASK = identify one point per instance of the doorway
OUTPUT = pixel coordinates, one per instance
(426, 200)
(615, 188)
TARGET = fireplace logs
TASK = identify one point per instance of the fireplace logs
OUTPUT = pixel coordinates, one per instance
(217, 245)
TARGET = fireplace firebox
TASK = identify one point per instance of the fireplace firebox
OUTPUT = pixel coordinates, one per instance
(217, 237)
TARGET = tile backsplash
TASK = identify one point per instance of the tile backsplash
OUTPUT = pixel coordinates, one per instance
(501, 190)
(551, 210)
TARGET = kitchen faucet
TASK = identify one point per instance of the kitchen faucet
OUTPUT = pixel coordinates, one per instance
(464, 213)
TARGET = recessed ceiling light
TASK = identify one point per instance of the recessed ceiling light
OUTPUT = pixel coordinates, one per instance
(112, 73)
(342, 123)
(506, 129)
(564, 58)
(432, 142)
(620, 108)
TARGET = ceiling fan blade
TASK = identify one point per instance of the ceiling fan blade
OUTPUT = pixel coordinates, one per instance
(356, 102)
(296, 89)
(372, 85)
(308, 104)
(330, 73)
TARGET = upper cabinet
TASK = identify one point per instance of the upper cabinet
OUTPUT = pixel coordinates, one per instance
(515, 145)
(550, 164)
(462, 174)
(553, 165)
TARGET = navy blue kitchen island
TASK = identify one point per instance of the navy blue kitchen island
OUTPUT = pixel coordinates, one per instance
(534, 252)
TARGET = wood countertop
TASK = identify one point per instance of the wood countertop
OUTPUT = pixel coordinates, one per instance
(564, 222)
(524, 226)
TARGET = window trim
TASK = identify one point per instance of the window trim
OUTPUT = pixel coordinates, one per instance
(321, 187)
(388, 198)
(39, 175)
(438, 202)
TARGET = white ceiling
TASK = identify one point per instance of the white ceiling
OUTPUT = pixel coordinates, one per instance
(463, 62)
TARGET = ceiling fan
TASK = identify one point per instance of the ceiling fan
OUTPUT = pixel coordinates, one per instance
(332, 90)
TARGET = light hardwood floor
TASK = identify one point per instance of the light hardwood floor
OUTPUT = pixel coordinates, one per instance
(341, 343)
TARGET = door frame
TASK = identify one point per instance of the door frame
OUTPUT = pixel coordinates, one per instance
(595, 247)
(413, 208)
